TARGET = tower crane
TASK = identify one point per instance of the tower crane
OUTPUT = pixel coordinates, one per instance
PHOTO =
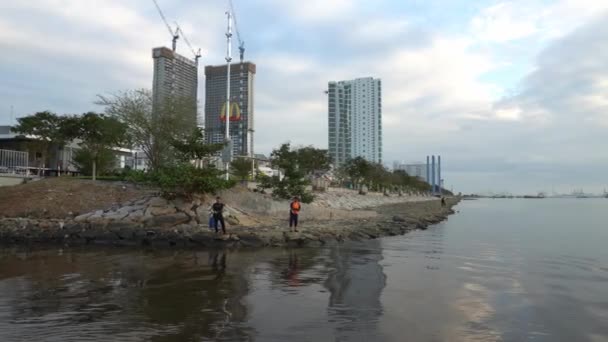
(173, 34)
(238, 34)
(196, 53)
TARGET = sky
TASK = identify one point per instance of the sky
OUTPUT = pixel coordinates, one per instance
(512, 94)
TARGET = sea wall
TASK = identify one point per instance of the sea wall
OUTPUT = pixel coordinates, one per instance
(253, 219)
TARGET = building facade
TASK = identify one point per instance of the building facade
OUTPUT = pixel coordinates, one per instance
(355, 120)
(176, 78)
(242, 77)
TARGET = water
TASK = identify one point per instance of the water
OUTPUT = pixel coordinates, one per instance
(500, 270)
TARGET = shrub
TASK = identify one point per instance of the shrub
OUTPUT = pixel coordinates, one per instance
(182, 180)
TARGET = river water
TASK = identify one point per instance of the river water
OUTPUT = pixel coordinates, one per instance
(499, 270)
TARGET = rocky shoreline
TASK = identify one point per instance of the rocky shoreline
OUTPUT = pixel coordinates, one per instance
(155, 222)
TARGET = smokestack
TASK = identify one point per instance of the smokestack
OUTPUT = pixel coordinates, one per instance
(439, 173)
(433, 176)
(428, 169)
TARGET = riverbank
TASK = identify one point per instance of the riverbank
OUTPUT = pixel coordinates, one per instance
(254, 220)
(391, 220)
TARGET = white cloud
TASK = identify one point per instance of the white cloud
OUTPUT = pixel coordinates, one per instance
(504, 22)
(313, 11)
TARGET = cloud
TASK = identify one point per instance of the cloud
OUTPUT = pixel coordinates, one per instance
(443, 85)
(504, 22)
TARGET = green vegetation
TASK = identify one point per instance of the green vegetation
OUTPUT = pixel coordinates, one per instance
(358, 172)
(181, 178)
(104, 162)
(296, 165)
(153, 132)
(166, 138)
(99, 134)
(241, 168)
(47, 127)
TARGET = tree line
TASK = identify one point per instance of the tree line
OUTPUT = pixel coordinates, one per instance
(170, 141)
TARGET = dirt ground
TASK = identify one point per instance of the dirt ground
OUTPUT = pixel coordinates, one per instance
(63, 196)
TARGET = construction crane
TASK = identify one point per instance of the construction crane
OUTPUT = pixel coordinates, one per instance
(173, 34)
(238, 34)
(196, 53)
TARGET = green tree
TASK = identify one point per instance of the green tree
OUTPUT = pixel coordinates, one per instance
(182, 178)
(311, 159)
(152, 130)
(241, 168)
(99, 134)
(358, 171)
(194, 147)
(46, 128)
(104, 161)
(294, 182)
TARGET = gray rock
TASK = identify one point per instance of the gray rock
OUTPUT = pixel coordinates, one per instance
(398, 219)
(167, 220)
(83, 217)
(116, 215)
(160, 211)
(158, 202)
(136, 216)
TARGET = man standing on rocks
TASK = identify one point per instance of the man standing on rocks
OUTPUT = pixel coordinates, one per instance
(294, 211)
(218, 214)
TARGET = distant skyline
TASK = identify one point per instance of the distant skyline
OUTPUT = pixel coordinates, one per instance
(512, 94)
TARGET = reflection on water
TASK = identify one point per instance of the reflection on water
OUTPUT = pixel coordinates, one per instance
(498, 271)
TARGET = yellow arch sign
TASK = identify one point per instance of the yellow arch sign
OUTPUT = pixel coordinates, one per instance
(235, 112)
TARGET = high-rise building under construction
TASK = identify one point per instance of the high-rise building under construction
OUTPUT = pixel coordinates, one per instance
(241, 110)
(175, 78)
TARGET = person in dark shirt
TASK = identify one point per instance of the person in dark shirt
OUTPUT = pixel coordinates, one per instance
(218, 214)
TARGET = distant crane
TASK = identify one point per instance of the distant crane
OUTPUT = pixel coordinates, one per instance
(196, 53)
(238, 34)
(173, 34)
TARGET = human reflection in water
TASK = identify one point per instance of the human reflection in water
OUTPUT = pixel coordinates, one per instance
(217, 260)
(200, 301)
(356, 285)
(291, 274)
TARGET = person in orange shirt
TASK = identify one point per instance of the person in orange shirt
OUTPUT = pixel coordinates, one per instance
(294, 211)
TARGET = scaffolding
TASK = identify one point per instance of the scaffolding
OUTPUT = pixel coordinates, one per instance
(14, 162)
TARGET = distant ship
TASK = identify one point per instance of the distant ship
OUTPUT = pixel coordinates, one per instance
(539, 196)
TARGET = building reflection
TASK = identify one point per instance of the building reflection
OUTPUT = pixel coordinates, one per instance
(355, 285)
(164, 296)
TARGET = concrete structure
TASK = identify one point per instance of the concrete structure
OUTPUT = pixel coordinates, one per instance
(242, 77)
(415, 169)
(434, 174)
(355, 120)
(176, 78)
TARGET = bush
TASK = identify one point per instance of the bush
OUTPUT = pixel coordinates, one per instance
(83, 161)
(183, 180)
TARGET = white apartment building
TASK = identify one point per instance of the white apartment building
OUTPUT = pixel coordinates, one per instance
(355, 120)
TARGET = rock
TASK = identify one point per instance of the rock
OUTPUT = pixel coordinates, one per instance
(398, 219)
(232, 220)
(83, 217)
(136, 216)
(96, 216)
(167, 220)
(158, 202)
(160, 211)
(116, 215)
